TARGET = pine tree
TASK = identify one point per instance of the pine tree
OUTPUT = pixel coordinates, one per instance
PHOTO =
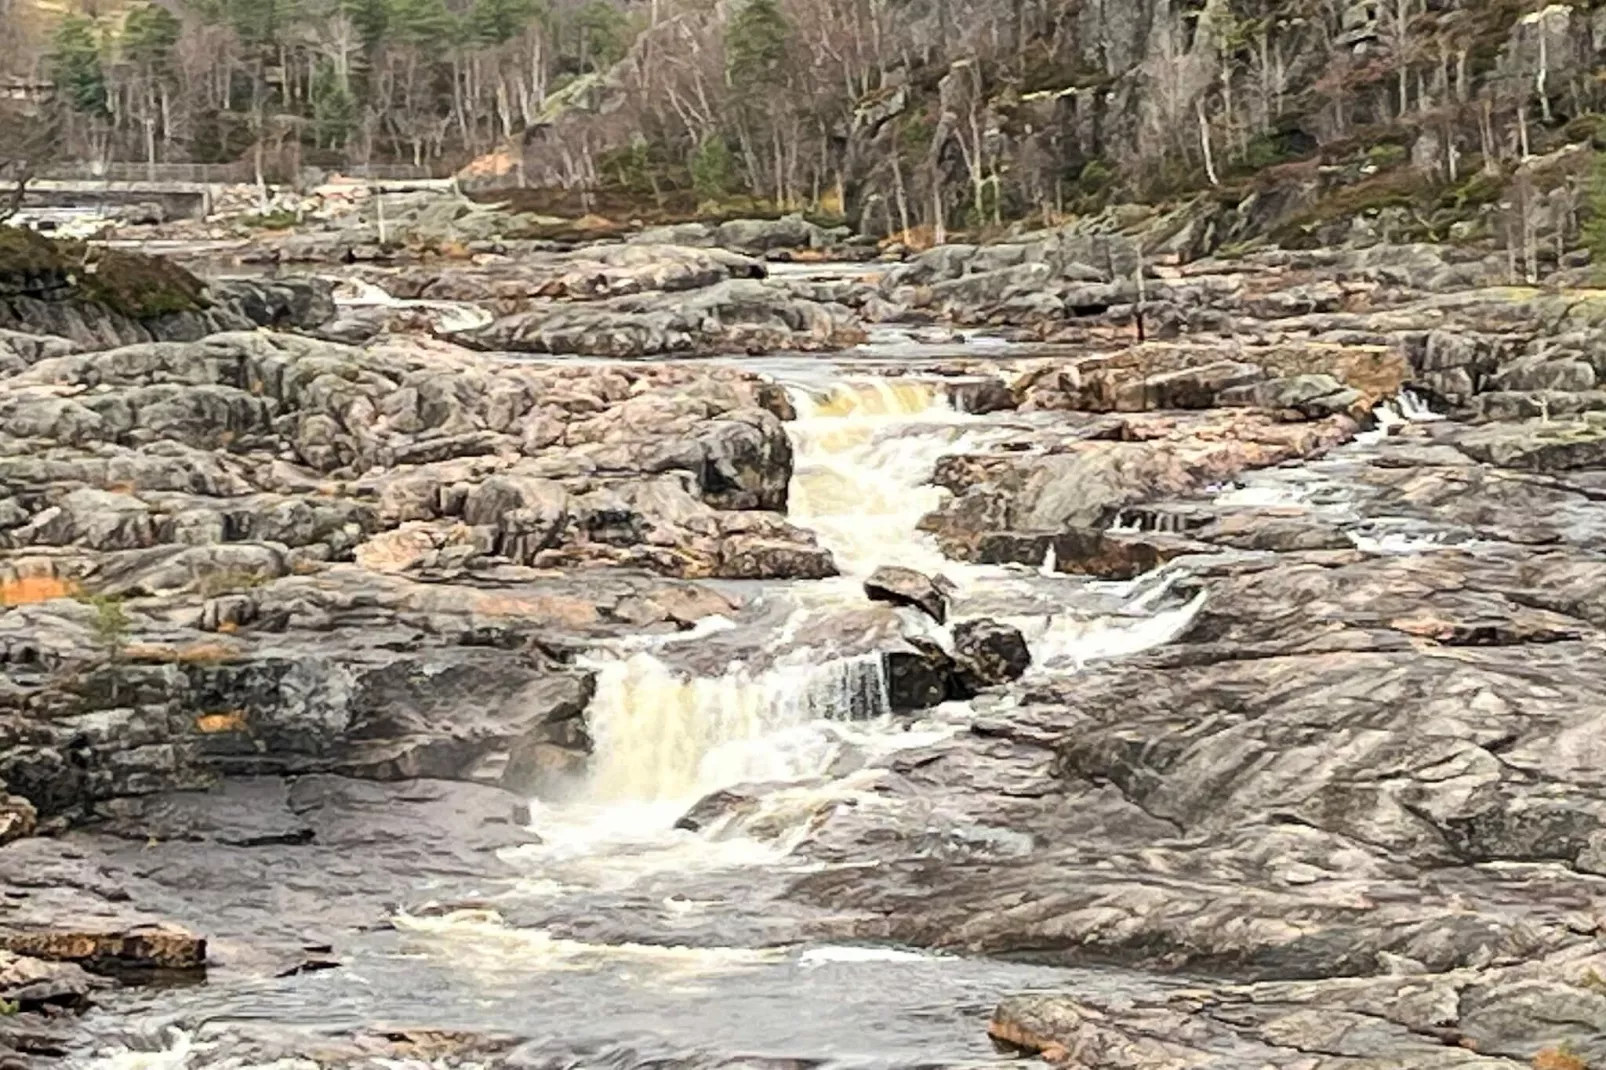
(150, 34)
(78, 71)
(604, 35)
(372, 19)
(1595, 229)
(712, 170)
(496, 22)
(755, 47)
(425, 24)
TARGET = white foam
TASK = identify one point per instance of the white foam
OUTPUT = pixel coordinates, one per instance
(665, 736)
(1067, 641)
(449, 316)
(846, 954)
(180, 1048)
(482, 937)
(865, 454)
(1398, 543)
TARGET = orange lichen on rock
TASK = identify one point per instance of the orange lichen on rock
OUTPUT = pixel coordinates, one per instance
(1558, 1059)
(28, 590)
(212, 724)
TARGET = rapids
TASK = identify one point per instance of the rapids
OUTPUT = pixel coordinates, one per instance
(625, 940)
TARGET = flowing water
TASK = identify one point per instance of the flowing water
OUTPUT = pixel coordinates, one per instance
(447, 316)
(625, 940)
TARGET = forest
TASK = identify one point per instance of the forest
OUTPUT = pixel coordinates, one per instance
(935, 114)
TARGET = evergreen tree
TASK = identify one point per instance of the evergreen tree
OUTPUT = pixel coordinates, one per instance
(150, 34)
(755, 47)
(604, 35)
(424, 24)
(371, 17)
(712, 170)
(1595, 229)
(77, 66)
(334, 108)
(496, 22)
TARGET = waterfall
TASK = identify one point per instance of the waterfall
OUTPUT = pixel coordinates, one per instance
(865, 453)
(662, 735)
(861, 483)
(449, 316)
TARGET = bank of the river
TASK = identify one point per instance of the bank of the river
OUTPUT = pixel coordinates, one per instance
(1303, 770)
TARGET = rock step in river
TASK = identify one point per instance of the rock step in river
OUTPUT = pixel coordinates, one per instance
(605, 935)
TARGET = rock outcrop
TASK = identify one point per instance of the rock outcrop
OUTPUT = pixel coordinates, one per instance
(909, 587)
(103, 298)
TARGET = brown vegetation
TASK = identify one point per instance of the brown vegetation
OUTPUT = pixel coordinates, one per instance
(29, 590)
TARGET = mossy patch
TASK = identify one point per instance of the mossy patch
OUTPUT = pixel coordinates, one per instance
(140, 287)
(27, 252)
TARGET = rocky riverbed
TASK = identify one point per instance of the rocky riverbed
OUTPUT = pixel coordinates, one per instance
(631, 653)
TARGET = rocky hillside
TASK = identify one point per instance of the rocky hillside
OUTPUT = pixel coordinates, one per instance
(955, 117)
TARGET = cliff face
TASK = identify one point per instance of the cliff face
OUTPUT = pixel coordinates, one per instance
(934, 114)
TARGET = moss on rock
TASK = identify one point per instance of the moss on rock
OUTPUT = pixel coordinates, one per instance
(138, 286)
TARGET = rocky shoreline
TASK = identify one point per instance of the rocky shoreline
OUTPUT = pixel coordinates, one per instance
(308, 587)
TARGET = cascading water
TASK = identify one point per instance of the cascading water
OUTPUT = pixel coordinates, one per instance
(449, 316)
(662, 735)
(865, 450)
(862, 480)
(617, 931)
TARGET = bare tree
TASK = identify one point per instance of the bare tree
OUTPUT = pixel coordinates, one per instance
(28, 140)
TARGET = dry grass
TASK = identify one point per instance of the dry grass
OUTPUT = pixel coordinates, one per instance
(1558, 1059)
(918, 238)
(203, 654)
(30, 590)
(188, 654)
(212, 724)
(227, 581)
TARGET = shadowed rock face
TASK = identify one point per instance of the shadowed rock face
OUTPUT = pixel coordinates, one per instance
(120, 298)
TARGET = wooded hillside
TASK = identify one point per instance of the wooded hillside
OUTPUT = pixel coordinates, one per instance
(942, 114)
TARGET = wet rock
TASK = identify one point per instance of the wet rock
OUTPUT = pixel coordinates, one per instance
(919, 676)
(145, 947)
(33, 984)
(764, 558)
(17, 817)
(987, 653)
(1042, 483)
(718, 807)
(908, 587)
(549, 769)
(1101, 552)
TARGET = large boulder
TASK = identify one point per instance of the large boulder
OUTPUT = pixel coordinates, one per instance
(908, 587)
(919, 675)
(987, 654)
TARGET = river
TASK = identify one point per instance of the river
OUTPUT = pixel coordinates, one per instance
(615, 938)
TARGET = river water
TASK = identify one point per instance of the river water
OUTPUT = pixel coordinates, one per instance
(620, 940)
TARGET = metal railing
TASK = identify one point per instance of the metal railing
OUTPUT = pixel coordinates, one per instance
(236, 173)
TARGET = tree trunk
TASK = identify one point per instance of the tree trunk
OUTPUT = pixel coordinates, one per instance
(1204, 142)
